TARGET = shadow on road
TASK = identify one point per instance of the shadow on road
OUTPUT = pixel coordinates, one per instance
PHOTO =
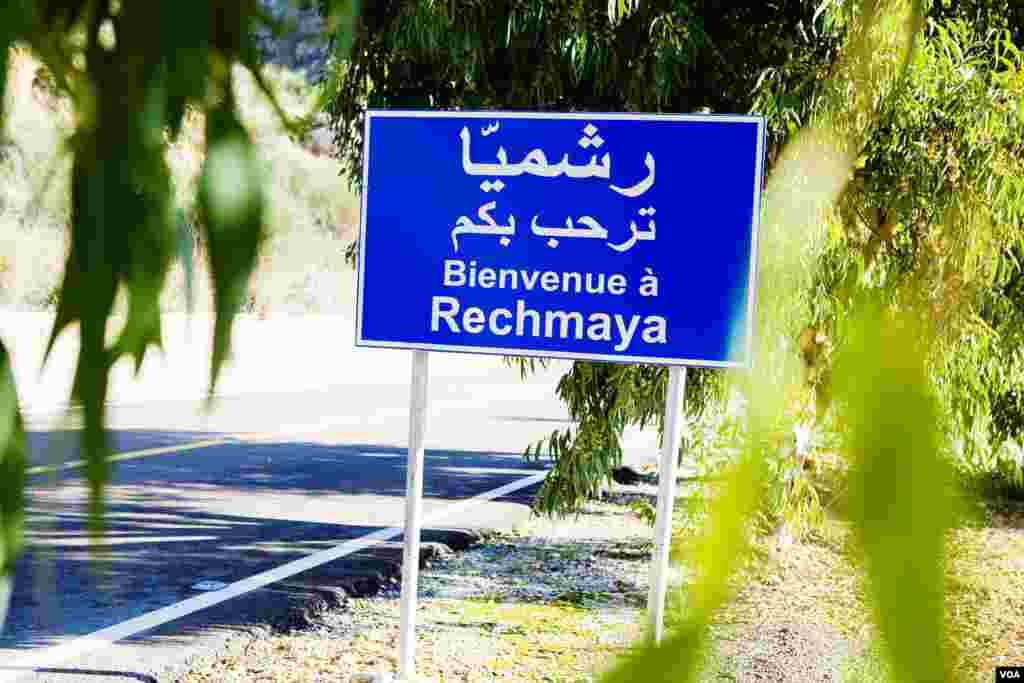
(300, 467)
(132, 676)
(222, 514)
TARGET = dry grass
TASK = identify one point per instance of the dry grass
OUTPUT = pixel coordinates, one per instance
(34, 205)
(818, 583)
(312, 214)
(987, 597)
(30, 264)
(458, 640)
(799, 613)
(536, 604)
(805, 582)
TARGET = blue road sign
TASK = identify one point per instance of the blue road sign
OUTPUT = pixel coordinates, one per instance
(614, 237)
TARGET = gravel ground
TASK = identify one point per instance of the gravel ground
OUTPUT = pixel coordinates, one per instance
(551, 601)
(780, 652)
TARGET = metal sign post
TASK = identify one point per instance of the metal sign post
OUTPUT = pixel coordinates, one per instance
(666, 498)
(413, 515)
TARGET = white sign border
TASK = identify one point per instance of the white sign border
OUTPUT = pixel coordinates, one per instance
(370, 114)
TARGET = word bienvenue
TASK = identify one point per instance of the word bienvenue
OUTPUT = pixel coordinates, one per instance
(536, 163)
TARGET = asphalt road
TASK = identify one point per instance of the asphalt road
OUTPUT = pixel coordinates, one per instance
(280, 476)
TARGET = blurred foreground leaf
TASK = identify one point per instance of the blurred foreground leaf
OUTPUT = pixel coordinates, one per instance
(719, 550)
(130, 71)
(900, 489)
(12, 18)
(13, 458)
(231, 203)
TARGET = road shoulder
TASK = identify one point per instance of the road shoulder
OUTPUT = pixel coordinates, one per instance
(549, 598)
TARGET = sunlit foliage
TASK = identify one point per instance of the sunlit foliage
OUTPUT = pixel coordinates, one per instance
(926, 216)
(931, 218)
(894, 164)
(566, 55)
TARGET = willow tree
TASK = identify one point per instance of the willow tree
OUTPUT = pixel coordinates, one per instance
(925, 220)
(849, 89)
(548, 55)
(932, 218)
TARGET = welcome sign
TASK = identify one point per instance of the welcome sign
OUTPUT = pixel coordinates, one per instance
(611, 237)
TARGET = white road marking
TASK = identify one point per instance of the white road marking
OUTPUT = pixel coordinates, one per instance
(234, 439)
(53, 656)
(86, 542)
(132, 455)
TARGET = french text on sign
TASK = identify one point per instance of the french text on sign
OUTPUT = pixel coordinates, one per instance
(615, 237)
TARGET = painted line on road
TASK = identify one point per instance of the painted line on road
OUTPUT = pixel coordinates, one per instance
(133, 455)
(233, 439)
(636, 441)
(55, 655)
(86, 542)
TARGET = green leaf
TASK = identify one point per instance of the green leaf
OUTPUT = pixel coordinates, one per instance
(149, 257)
(721, 547)
(13, 461)
(104, 196)
(231, 203)
(13, 16)
(900, 490)
(341, 18)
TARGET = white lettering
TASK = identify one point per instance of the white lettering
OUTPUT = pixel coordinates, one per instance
(654, 333)
(461, 274)
(626, 333)
(504, 275)
(563, 318)
(595, 287)
(449, 316)
(569, 277)
(473, 320)
(453, 268)
(522, 312)
(523, 321)
(486, 278)
(649, 284)
(617, 284)
(600, 328)
(493, 321)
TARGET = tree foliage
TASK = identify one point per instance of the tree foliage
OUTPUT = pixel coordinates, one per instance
(891, 226)
(664, 55)
(557, 55)
(925, 220)
(931, 218)
(131, 70)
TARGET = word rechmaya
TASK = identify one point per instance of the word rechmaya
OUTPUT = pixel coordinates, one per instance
(522, 321)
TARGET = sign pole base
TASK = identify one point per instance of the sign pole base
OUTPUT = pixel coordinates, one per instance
(413, 515)
(666, 498)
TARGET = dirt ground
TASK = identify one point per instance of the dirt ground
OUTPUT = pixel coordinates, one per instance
(559, 601)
